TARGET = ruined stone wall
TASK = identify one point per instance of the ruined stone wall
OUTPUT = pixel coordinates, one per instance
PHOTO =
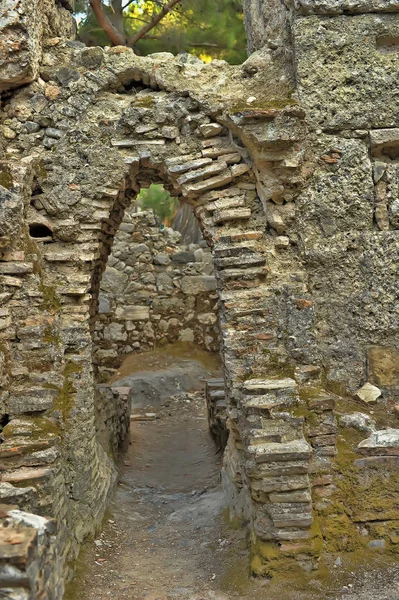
(28, 556)
(290, 165)
(154, 291)
(112, 417)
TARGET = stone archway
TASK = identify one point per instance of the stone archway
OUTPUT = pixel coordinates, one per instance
(132, 133)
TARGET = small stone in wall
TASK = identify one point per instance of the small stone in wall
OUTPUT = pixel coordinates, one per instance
(210, 129)
(207, 318)
(358, 421)
(187, 335)
(103, 304)
(369, 393)
(162, 259)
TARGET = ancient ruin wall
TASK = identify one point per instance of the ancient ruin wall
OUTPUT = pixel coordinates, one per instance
(154, 291)
(293, 183)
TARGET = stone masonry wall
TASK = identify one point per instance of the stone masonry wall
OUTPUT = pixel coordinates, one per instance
(112, 417)
(154, 291)
(289, 162)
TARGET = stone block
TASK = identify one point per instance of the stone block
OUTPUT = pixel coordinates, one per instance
(28, 401)
(182, 258)
(133, 313)
(368, 393)
(194, 285)
(383, 365)
(287, 451)
(260, 386)
(280, 484)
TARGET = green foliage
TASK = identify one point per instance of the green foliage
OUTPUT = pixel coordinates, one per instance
(206, 28)
(159, 201)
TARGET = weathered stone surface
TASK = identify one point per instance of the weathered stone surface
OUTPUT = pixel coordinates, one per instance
(358, 421)
(382, 442)
(23, 27)
(259, 386)
(317, 285)
(193, 285)
(345, 77)
(369, 393)
(288, 451)
(384, 365)
(334, 7)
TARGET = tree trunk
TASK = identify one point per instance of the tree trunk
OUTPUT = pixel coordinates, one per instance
(116, 37)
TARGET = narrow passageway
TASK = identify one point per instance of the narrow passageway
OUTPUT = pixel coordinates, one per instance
(159, 540)
(165, 535)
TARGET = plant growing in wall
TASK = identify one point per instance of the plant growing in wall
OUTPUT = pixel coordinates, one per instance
(157, 199)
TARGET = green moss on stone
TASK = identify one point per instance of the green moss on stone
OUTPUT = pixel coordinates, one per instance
(51, 300)
(65, 400)
(6, 179)
(145, 101)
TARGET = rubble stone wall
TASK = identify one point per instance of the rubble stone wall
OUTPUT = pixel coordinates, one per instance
(289, 162)
(154, 291)
(112, 417)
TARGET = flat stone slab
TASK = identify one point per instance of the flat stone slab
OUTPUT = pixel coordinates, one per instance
(265, 403)
(296, 450)
(261, 385)
(384, 441)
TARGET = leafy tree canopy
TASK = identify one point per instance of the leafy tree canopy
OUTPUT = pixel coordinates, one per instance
(206, 28)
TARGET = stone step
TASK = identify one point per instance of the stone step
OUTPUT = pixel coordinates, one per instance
(214, 383)
(235, 235)
(265, 471)
(275, 432)
(296, 450)
(279, 484)
(216, 394)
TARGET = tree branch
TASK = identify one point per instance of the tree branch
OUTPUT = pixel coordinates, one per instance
(158, 17)
(127, 4)
(115, 36)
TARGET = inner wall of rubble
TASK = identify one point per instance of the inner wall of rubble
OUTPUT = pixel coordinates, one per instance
(156, 290)
(289, 163)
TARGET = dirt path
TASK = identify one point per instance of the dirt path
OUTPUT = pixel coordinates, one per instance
(162, 537)
(165, 538)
